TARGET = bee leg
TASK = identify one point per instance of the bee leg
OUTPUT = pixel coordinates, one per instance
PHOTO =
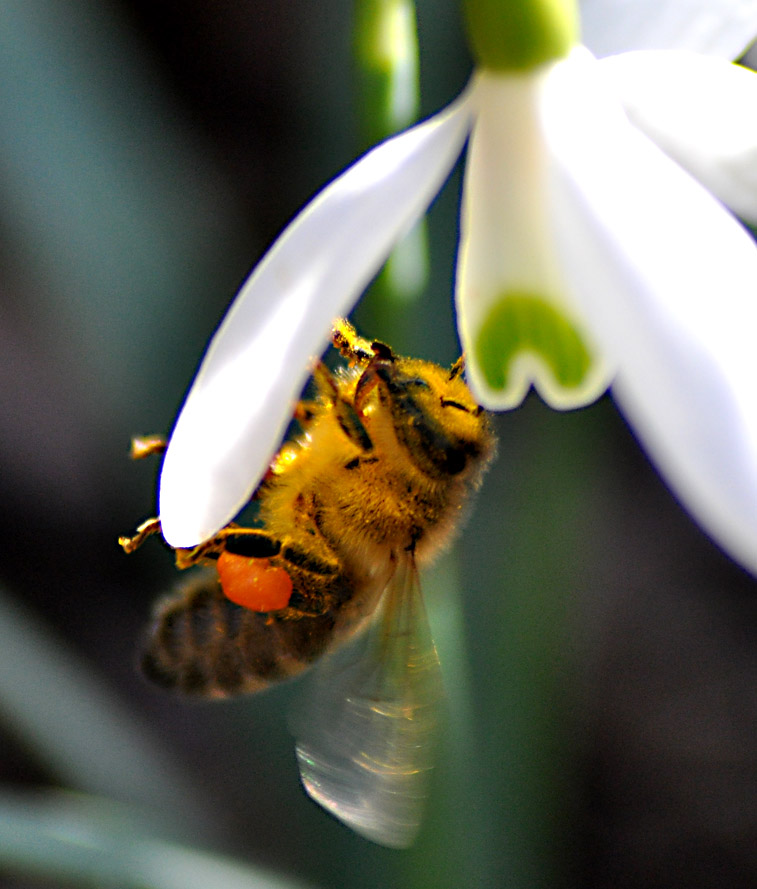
(322, 589)
(352, 426)
(351, 346)
(260, 545)
(308, 598)
(145, 530)
(345, 413)
(147, 445)
(348, 418)
(254, 543)
(356, 349)
(308, 561)
(457, 368)
(143, 446)
(305, 411)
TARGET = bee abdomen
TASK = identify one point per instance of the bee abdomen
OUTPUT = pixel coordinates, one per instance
(201, 643)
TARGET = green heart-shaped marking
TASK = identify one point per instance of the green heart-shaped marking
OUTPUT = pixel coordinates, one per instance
(520, 323)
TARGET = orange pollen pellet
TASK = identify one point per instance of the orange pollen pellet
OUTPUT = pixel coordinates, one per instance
(254, 583)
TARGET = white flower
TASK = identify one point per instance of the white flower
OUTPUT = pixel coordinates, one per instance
(587, 256)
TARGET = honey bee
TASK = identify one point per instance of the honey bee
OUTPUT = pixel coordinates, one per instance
(375, 483)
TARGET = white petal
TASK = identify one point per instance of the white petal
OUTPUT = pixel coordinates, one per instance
(242, 399)
(722, 28)
(507, 268)
(700, 111)
(669, 278)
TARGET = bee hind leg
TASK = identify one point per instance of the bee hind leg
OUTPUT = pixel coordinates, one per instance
(255, 543)
(314, 573)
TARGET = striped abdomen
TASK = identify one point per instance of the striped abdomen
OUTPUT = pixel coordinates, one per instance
(200, 643)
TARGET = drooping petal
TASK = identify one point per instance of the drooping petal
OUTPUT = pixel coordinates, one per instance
(257, 363)
(669, 280)
(723, 28)
(517, 325)
(701, 111)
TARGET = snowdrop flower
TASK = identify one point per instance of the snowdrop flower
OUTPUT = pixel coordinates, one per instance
(589, 255)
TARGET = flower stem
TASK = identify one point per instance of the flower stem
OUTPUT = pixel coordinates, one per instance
(386, 56)
(518, 35)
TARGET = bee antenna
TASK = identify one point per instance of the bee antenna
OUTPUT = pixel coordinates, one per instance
(457, 368)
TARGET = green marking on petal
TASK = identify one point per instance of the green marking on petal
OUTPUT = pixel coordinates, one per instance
(521, 324)
(519, 35)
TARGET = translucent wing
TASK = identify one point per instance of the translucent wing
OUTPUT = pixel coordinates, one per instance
(366, 736)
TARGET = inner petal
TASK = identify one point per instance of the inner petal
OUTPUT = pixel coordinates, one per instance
(518, 325)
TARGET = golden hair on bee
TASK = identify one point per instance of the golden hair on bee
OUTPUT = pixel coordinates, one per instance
(388, 452)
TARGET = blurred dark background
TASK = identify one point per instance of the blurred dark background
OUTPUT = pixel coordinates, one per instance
(149, 152)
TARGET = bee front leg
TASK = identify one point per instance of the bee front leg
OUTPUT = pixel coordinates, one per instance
(353, 347)
(344, 411)
(145, 530)
(146, 445)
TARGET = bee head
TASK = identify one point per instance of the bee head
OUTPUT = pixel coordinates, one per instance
(434, 414)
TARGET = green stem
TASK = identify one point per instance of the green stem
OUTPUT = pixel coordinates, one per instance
(517, 35)
(386, 56)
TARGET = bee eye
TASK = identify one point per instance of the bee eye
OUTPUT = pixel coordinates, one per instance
(449, 402)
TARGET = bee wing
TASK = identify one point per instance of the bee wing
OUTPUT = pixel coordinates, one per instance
(366, 739)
